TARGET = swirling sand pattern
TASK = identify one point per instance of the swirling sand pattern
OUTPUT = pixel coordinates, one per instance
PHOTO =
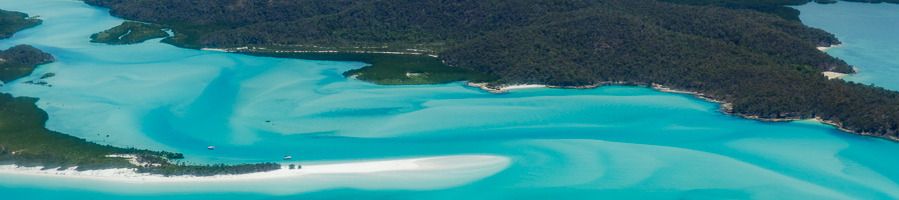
(614, 142)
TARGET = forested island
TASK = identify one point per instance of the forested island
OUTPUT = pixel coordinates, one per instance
(129, 33)
(12, 22)
(25, 140)
(753, 55)
(19, 61)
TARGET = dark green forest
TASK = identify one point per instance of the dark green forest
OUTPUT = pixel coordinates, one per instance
(129, 33)
(19, 61)
(12, 22)
(754, 54)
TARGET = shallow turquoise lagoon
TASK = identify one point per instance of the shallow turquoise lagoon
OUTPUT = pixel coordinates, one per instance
(614, 142)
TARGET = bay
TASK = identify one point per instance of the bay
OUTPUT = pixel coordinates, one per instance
(613, 142)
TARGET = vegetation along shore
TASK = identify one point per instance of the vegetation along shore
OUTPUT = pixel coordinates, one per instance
(12, 22)
(129, 33)
(26, 142)
(755, 55)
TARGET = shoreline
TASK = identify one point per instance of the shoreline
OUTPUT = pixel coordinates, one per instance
(504, 88)
(129, 175)
(824, 49)
(249, 49)
(831, 74)
(834, 75)
(725, 107)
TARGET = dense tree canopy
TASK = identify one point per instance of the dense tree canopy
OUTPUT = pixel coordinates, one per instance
(11, 22)
(129, 33)
(19, 61)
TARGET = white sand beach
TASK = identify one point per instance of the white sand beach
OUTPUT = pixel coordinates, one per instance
(524, 86)
(828, 47)
(214, 49)
(833, 75)
(360, 167)
(409, 174)
(505, 88)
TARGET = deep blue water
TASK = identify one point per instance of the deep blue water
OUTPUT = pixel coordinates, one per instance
(612, 142)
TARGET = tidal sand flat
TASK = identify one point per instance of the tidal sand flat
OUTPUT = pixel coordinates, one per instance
(407, 174)
(613, 142)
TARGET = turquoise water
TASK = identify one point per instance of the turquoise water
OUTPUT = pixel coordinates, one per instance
(612, 142)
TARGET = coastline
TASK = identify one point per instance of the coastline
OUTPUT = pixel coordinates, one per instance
(504, 88)
(501, 89)
(789, 160)
(726, 107)
(129, 175)
(824, 49)
(833, 75)
(249, 49)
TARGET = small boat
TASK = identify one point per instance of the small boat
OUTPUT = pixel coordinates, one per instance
(288, 157)
(211, 147)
